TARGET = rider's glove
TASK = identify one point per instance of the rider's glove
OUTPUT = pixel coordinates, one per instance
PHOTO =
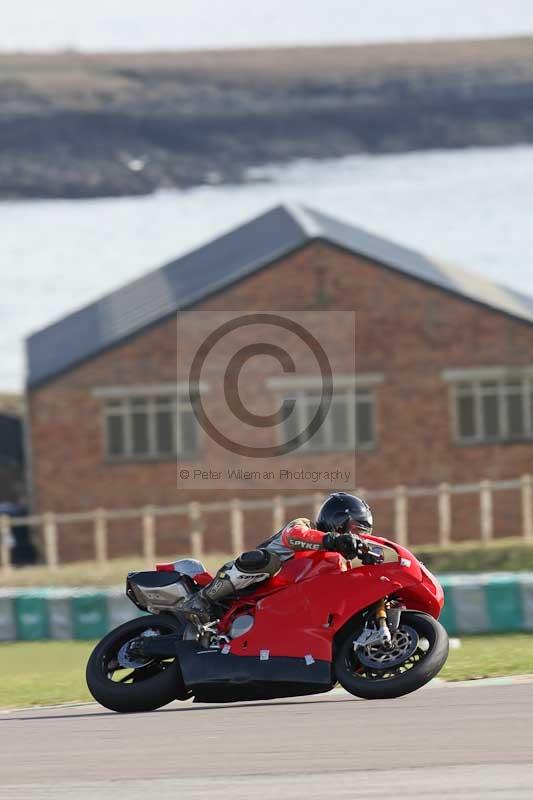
(344, 543)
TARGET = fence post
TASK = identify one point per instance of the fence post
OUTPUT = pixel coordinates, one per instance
(5, 543)
(148, 523)
(400, 515)
(527, 506)
(485, 510)
(445, 514)
(50, 540)
(237, 527)
(196, 535)
(278, 513)
(100, 535)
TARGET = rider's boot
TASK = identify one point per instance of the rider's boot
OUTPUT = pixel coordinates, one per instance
(251, 567)
(203, 604)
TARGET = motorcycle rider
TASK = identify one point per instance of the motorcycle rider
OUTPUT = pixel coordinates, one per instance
(340, 517)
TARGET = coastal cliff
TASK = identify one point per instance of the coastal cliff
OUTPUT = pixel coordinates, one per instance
(86, 125)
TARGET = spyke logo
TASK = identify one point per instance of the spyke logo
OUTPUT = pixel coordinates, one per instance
(256, 395)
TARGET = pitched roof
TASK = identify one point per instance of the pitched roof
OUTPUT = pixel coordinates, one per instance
(228, 259)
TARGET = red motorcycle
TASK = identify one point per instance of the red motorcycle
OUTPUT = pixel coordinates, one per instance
(320, 621)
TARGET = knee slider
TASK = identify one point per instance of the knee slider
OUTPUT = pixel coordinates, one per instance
(258, 561)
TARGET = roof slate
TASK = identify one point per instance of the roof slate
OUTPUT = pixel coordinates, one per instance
(227, 259)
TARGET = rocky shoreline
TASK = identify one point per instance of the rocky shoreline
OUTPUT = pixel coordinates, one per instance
(74, 125)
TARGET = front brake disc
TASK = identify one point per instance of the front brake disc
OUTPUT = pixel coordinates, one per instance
(404, 644)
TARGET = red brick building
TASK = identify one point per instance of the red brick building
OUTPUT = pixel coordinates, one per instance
(444, 364)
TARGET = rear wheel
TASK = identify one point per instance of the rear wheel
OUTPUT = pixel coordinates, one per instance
(418, 653)
(126, 683)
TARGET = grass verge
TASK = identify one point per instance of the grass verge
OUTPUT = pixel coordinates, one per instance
(41, 673)
(90, 573)
(501, 555)
(490, 657)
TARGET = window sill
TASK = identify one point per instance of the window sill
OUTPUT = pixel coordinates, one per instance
(333, 450)
(494, 442)
(171, 458)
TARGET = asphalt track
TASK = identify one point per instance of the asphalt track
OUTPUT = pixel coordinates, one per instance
(473, 741)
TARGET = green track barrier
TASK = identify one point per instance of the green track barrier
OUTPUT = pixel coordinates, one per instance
(90, 618)
(31, 616)
(447, 617)
(486, 603)
(504, 604)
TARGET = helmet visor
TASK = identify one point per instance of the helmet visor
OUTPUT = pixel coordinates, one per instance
(360, 526)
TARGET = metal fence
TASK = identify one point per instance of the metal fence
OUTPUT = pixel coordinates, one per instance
(194, 513)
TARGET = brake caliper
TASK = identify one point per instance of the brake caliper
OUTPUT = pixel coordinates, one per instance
(375, 631)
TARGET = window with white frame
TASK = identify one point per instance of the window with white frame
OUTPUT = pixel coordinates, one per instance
(348, 425)
(150, 425)
(493, 406)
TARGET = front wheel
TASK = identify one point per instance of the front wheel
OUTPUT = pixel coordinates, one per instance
(126, 683)
(418, 653)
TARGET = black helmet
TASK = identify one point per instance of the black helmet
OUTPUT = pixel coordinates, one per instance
(344, 513)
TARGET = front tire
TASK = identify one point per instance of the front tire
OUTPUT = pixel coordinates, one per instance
(130, 686)
(368, 675)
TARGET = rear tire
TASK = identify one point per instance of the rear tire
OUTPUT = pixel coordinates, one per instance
(376, 684)
(153, 686)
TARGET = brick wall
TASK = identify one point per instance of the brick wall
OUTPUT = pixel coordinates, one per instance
(407, 330)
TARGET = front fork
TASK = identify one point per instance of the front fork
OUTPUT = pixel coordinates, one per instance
(377, 630)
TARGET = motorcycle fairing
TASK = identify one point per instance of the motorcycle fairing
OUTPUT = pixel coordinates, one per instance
(302, 617)
(215, 676)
